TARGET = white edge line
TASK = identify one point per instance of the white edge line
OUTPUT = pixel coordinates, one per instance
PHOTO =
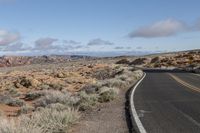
(133, 110)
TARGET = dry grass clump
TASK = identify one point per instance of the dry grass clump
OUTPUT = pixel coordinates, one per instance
(107, 94)
(25, 110)
(15, 102)
(1, 113)
(8, 100)
(106, 73)
(87, 101)
(33, 95)
(51, 97)
(44, 121)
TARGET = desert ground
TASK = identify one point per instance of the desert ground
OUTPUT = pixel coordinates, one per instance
(76, 94)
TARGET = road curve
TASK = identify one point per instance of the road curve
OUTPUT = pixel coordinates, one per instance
(166, 106)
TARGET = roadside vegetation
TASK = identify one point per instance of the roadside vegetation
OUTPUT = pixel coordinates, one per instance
(47, 107)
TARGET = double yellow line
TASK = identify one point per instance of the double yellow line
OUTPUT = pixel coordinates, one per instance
(194, 88)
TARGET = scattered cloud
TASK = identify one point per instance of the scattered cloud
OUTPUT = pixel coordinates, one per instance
(8, 37)
(14, 47)
(98, 41)
(71, 42)
(197, 25)
(164, 28)
(119, 47)
(45, 43)
(139, 47)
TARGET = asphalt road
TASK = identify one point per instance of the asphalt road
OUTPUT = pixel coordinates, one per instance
(166, 106)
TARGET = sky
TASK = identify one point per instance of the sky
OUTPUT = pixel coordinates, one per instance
(42, 27)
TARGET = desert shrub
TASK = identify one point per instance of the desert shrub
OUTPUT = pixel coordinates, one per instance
(116, 83)
(44, 121)
(56, 97)
(60, 75)
(56, 86)
(90, 88)
(123, 61)
(5, 99)
(123, 77)
(25, 110)
(1, 113)
(138, 74)
(87, 101)
(57, 106)
(25, 82)
(44, 86)
(53, 121)
(107, 94)
(107, 73)
(13, 92)
(10, 126)
(102, 74)
(15, 102)
(33, 95)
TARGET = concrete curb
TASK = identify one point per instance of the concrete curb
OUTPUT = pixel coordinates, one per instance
(134, 116)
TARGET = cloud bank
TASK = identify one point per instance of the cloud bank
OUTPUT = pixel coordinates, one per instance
(8, 37)
(98, 42)
(164, 28)
(45, 43)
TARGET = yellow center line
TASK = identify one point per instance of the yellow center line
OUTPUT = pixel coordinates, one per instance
(194, 88)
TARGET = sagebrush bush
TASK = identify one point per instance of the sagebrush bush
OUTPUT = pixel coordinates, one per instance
(90, 88)
(25, 110)
(15, 102)
(33, 95)
(53, 121)
(117, 83)
(44, 86)
(1, 113)
(8, 100)
(57, 106)
(44, 121)
(87, 101)
(12, 91)
(107, 94)
(51, 97)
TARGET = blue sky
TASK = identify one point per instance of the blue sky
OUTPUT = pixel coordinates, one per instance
(75, 26)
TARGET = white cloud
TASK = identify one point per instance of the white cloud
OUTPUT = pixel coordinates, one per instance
(197, 25)
(7, 37)
(15, 47)
(119, 47)
(71, 42)
(139, 47)
(98, 41)
(164, 28)
(45, 43)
